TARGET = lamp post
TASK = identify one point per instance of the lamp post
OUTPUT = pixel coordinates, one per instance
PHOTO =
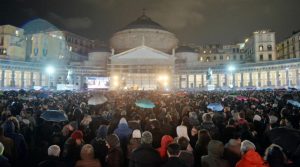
(50, 70)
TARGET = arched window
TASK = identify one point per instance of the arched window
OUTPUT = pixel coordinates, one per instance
(261, 47)
(269, 47)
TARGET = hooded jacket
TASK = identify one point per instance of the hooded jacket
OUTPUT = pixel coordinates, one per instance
(87, 160)
(99, 144)
(251, 159)
(123, 131)
(215, 152)
(165, 141)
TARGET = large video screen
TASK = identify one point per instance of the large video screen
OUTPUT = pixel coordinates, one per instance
(97, 82)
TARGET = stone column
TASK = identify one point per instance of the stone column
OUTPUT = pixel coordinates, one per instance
(202, 80)
(187, 81)
(22, 79)
(297, 77)
(268, 79)
(242, 80)
(2, 77)
(13, 83)
(218, 80)
(31, 79)
(226, 78)
(41, 79)
(287, 77)
(195, 81)
(233, 79)
(180, 86)
(277, 78)
(259, 79)
(250, 79)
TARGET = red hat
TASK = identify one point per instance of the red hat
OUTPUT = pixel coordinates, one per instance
(77, 135)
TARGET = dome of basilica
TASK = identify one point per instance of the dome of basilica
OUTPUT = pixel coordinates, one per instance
(143, 31)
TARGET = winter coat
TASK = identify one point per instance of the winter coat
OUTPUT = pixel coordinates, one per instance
(211, 127)
(187, 157)
(145, 156)
(123, 131)
(251, 159)
(115, 157)
(157, 135)
(87, 160)
(71, 151)
(165, 141)
(132, 145)
(215, 152)
(52, 161)
(4, 161)
(9, 151)
(101, 150)
(174, 162)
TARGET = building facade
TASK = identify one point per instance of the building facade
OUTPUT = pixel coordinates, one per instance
(290, 47)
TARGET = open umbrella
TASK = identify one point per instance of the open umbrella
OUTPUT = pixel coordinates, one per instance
(145, 103)
(294, 103)
(97, 100)
(54, 116)
(253, 99)
(241, 98)
(215, 107)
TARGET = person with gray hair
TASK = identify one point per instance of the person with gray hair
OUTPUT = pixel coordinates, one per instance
(53, 159)
(3, 160)
(145, 155)
(249, 156)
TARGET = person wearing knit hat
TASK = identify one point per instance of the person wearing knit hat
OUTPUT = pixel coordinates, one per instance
(115, 153)
(99, 144)
(136, 134)
(77, 135)
(145, 154)
(4, 162)
(134, 142)
(257, 118)
(53, 157)
(72, 147)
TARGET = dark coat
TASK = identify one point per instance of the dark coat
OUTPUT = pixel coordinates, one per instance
(52, 161)
(115, 157)
(9, 150)
(71, 151)
(4, 162)
(101, 150)
(187, 157)
(174, 162)
(145, 156)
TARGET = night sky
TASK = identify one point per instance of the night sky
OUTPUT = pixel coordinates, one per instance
(193, 21)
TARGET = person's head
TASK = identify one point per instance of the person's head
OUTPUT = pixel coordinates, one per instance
(112, 141)
(183, 142)
(136, 134)
(206, 117)
(215, 148)
(247, 145)
(87, 152)
(54, 150)
(234, 145)
(231, 122)
(203, 137)
(146, 138)
(242, 115)
(1, 149)
(102, 131)
(274, 155)
(173, 150)
(77, 136)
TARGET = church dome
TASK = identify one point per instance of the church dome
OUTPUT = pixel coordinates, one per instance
(143, 31)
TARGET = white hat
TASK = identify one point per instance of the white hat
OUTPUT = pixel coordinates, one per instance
(54, 150)
(257, 118)
(1, 148)
(273, 119)
(136, 134)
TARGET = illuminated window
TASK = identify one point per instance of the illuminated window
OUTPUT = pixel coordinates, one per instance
(17, 33)
(227, 58)
(261, 48)
(201, 58)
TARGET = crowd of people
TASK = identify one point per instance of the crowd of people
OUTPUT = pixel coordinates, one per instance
(253, 129)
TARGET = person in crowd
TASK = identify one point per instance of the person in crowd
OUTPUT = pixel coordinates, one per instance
(72, 147)
(53, 159)
(99, 144)
(165, 141)
(19, 143)
(8, 143)
(232, 152)
(156, 132)
(145, 155)
(194, 137)
(230, 131)
(275, 156)
(134, 142)
(185, 155)
(201, 146)
(173, 154)
(209, 125)
(250, 157)
(115, 154)
(4, 162)
(215, 150)
(87, 157)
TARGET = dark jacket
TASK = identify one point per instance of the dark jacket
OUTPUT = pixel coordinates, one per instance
(71, 151)
(9, 150)
(214, 158)
(101, 150)
(145, 156)
(187, 157)
(115, 157)
(174, 162)
(4, 162)
(52, 161)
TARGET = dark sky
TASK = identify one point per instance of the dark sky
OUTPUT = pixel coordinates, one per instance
(193, 21)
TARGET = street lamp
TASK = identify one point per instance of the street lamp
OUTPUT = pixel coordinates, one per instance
(50, 70)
